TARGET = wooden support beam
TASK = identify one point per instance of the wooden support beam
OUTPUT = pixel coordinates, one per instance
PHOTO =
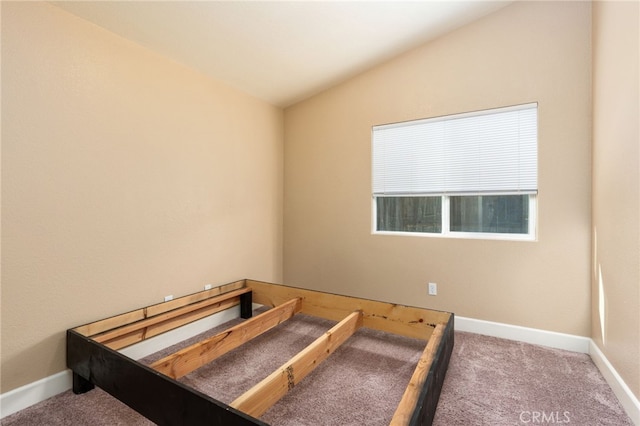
(246, 305)
(148, 326)
(417, 323)
(155, 319)
(101, 326)
(258, 399)
(195, 356)
(139, 334)
(407, 406)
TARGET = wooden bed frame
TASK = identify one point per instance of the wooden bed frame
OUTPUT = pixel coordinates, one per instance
(155, 392)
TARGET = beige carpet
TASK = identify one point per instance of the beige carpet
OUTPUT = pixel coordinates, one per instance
(490, 382)
(493, 381)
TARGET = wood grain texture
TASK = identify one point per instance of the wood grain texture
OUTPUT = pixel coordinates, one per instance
(409, 400)
(195, 356)
(417, 323)
(107, 324)
(262, 396)
(163, 317)
(156, 328)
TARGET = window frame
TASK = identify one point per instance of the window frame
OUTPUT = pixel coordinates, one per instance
(446, 232)
(532, 234)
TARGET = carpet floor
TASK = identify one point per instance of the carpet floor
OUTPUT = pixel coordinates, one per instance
(490, 381)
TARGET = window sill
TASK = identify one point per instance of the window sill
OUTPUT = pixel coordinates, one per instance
(462, 235)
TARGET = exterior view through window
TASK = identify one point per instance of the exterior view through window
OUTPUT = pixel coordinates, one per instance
(466, 175)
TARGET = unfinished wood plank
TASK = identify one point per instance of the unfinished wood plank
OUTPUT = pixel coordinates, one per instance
(258, 399)
(97, 327)
(195, 356)
(407, 405)
(407, 321)
(107, 324)
(156, 319)
(193, 298)
(138, 335)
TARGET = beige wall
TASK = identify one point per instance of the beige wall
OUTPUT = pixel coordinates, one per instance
(125, 177)
(616, 187)
(526, 52)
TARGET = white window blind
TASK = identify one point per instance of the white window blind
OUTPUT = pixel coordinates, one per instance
(493, 151)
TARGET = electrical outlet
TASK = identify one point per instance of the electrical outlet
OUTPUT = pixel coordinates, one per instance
(169, 297)
(433, 289)
(208, 287)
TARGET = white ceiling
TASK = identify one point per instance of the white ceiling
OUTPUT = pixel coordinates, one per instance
(280, 51)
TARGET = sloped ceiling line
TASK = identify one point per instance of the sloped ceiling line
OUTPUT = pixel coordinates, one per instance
(280, 51)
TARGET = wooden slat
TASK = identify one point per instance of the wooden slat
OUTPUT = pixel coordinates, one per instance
(407, 321)
(193, 298)
(97, 327)
(258, 399)
(201, 353)
(127, 329)
(140, 314)
(407, 405)
(138, 335)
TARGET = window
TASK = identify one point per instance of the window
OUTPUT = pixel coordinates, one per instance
(465, 175)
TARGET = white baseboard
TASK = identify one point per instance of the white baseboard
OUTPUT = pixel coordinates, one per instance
(25, 396)
(32, 393)
(535, 336)
(627, 399)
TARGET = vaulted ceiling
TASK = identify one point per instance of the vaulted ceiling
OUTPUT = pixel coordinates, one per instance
(280, 51)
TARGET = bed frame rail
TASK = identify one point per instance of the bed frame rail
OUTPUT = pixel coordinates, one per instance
(159, 398)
